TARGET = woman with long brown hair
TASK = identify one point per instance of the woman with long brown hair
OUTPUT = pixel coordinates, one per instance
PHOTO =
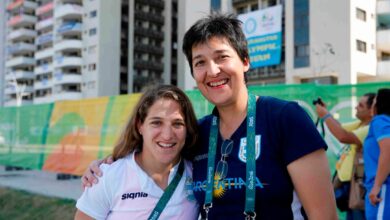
(148, 178)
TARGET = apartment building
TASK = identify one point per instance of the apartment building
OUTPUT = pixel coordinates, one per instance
(73, 49)
(327, 41)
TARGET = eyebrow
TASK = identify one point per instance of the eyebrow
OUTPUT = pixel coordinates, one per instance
(215, 52)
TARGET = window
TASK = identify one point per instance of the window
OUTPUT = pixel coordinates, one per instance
(92, 31)
(92, 66)
(361, 46)
(360, 14)
(92, 14)
(301, 50)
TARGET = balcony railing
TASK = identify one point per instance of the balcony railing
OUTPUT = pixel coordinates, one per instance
(68, 45)
(68, 11)
(19, 75)
(22, 34)
(42, 69)
(42, 54)
(20, 62)
(13, 6)
(21, 20)
(46, 38)
(20, 48)
(383, 68)
(43, 84)
(67, 95)
(69, 27)
(67, 78)
(382, 40)
(48, 22)
(383, 7)
(44, 8)
(65, 61)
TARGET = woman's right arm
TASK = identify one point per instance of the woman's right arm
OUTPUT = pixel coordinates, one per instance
(82, 216)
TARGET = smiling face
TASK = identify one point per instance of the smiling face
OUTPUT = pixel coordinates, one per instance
(163, 132)
(219, 71)
(363, 112)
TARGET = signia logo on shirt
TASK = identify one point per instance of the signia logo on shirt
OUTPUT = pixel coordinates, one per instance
(134, 195)
(242, 150)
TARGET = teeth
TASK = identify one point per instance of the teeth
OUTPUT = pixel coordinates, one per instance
(213, 84)
(165, 145)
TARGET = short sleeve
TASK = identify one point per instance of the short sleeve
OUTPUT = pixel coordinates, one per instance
(299, 135)
(361, 133)
(381, 127)
(95, 201)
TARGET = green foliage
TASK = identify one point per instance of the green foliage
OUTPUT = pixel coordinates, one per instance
(22, 205)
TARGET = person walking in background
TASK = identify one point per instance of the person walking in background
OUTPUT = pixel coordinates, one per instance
(149, 174)
(258, 157)
(352, 134)
(376, 153)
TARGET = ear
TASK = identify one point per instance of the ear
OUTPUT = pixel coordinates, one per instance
(139, 127)
(247, 65)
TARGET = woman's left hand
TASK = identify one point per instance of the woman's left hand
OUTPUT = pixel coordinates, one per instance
(373, 196)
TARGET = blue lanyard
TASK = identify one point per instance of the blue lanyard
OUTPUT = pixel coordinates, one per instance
(162, 202)
(250, 161)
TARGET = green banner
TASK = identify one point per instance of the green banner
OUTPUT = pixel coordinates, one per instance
(67, 135)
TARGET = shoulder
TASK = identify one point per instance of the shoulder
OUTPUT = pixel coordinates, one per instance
(204, 121)
(117, 167)
(277, 107)
(381, 119)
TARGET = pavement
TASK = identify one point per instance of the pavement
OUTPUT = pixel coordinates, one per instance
(41, 182)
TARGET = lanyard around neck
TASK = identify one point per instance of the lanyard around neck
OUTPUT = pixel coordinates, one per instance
(250, 160)
(162, 202)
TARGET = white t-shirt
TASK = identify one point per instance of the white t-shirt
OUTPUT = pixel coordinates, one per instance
(125, 191)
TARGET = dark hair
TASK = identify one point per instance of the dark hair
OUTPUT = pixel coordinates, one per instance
(370, 98)
(131, 139)
(216, 25)
(383, 101)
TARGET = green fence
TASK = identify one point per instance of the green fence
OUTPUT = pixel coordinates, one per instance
(65, 136)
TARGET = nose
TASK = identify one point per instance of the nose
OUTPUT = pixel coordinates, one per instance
(213, 69)
(166, 132)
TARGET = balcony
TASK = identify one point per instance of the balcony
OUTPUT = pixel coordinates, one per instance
(383, 7)
(66, 45)
(20, 62)
(42, 54)
(13, 6)
(383, 68)
(69, 28)
(67, 95)
(67, 78)
(44, 8)
(382, 40)
(43, 99)
(144, 32)
(68, 61)
(68, 11)
(21, 20)
(13, 102)
(19, 75)
(149, 49)
(149, 65)
(43, 84)
(42, 69)
(154, 3)
(149, 17)
(22, 34)
(43, 39)
(20, 48)
(44, 24)
(9, 90)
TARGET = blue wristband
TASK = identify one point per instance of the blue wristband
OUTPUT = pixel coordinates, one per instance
(326, 117)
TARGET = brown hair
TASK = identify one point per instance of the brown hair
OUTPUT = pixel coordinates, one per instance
(130, 139)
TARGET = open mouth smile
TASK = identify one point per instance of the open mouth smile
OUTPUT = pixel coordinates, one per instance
(218, 83)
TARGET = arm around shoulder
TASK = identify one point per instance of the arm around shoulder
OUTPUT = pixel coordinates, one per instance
(310, 175)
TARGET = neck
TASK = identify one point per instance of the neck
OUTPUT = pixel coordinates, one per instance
(159, 172)
(365, 121)
(232, 116)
